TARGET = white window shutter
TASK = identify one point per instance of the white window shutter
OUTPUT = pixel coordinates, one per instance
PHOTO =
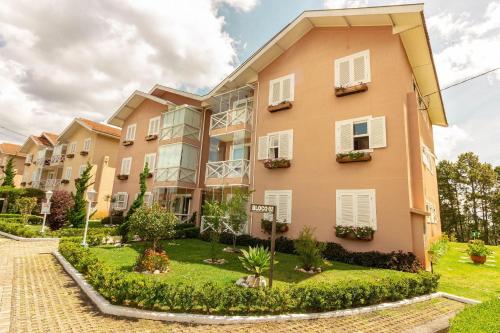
(274, 92)
(345, 209)
(342, 73)
(363, 210)
(344, 136)
(262, 153)
(284, 213)
(378, 132)
(285, 144)
(270, 198)
(360, 68)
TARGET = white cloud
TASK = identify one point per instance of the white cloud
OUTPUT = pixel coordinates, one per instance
(60, 59)
(344, 3)
(450, 141)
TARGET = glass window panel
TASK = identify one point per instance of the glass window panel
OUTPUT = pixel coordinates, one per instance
(361, 128)
(361, 143)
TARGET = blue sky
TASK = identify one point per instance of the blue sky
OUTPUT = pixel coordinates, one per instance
(60, 59)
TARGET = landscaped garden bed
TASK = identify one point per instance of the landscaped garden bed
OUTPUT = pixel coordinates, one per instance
(194, 286)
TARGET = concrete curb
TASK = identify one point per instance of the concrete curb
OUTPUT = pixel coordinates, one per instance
(23, 239)
(123, 311)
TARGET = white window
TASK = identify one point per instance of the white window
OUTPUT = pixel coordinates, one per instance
(81, 170)
(150, 159)
(176, 155)
(148, 199)
(276, 145)
(72, 148)
(360, 134)
(37, 175)
(154, 126)
(41, 154)
(428, 159)
(130, 134)
(29, 158)
(356, 208)
(121, 199)
(67, 174)
(57, 150)
(126, 165)
(353, 69)
(282, 89)
(282, 199)
(86, 144)
(431, 209)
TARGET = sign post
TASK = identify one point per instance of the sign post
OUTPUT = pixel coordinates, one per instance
(257, 208)
(45, 211)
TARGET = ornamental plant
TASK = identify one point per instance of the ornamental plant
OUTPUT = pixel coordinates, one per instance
(77, 213)
(61, 203)
(25, 206)
(309, 249)
(256, 260)
(215, 213)
(151, 261)
(10, 173)
(236, 208)
(477, 248)
(153, 223)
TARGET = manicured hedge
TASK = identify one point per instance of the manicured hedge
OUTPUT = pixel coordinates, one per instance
(32, 219)
(149, 292)
(401, 261)
(17, 229)
(481, 318)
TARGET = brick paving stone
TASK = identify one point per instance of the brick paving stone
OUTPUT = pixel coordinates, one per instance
(38, 296)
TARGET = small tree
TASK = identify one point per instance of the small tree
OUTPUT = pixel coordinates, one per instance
(309, 249)
(214, 212)
(76, 214)
(153, 223)
(237, 212)
(138, 202)
(25, 206)
(10, 173)
(61, 204)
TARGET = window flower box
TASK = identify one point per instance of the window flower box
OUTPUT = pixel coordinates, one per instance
(30, 183)
(76, 180)
(2, 167)
(46, 162)
(281, 106)
(151, 137)
(267, 225)
(122, 177)
(65, 181)
(354, 156)
(84, 153)
(150, 175)
(344, 91)
(70, 155)
(128, 143)
(23, 183)
(354, 233)
(277, 163)
(27, 163)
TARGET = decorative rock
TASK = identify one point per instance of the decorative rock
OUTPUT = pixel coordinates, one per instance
(252, 282)
(231, 250)
(156, 271)
(217, 262)
(312, 271)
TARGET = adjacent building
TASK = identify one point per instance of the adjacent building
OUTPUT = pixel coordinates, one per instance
(331, 121)
(54, 162)
(12, 151)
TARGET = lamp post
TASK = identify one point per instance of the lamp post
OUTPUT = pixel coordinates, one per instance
(91, 196)
(46, 208)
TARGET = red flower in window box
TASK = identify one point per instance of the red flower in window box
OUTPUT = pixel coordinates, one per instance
(278, 163)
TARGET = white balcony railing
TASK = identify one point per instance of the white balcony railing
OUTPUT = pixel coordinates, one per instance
(51, 184)
(241, 115)
(175, 174)
(55, 159)
(228, 169)
(208, 224)
(38, 184)
(180, 131)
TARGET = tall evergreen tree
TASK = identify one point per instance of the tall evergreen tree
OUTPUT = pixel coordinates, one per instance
(77, 214)
(10, 173)
(138, 202)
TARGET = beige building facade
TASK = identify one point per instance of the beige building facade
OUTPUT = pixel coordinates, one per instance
(12, 151)
(331, 121)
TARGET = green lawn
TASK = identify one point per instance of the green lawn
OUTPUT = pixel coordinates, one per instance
(461, 277)
(186, 264)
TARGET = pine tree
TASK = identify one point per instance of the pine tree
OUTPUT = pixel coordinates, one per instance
(77, 214)
(138, 202)
(10, 173)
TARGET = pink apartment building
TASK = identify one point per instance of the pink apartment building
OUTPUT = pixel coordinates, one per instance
(331, 120)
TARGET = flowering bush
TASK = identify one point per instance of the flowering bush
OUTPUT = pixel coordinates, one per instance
(151, 260)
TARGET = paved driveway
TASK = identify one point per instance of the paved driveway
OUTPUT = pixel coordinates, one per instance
(38, 296)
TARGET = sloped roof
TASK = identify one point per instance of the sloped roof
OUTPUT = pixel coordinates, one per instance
(406, 20)
(51, 137)
(10, 149)
(90, 125)
(45, 139)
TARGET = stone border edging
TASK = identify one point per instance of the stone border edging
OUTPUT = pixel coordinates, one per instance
(24, 239)
(123, 311)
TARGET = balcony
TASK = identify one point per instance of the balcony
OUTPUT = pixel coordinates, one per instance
(38, 184)
(225, 226)
(52, 184)
(224, 123)
(56, 160)
(181, 124)
(180, 131)
(227, 173)
(175, 176)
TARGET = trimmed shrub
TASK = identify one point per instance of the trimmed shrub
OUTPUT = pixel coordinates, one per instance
(147, 292)
(61, 203)
(17, 229)
(309, 249)
(400, 261)
(116, 220)
(32, 219)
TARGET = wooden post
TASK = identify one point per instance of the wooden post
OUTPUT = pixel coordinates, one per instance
(273, 241)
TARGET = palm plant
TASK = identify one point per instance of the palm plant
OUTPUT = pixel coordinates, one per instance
(256, 260)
